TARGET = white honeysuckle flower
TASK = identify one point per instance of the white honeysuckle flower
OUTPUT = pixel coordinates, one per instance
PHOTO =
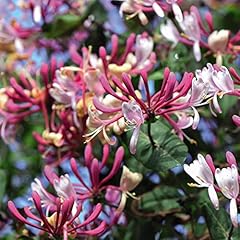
(144, 48)
(217, 42)
(63, 187)
(223, 80)
(210, 83)
(129, 180)
(201, 173)
(191, 28)
(46, 198)
(228, 182)
(170, 32)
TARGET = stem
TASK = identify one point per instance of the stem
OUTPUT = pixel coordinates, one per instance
(149, 134)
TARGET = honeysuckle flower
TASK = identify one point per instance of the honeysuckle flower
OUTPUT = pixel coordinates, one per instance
(25, 97)
(129, 180)
(138, 55)
(144, 56)
(53, 138)
(101, 122)
(217, 42)
(59, 222)
(138, 8)
(228, 182)
(210, 83)
(166, 102)
(134, 116)
(95, 168)
(170, 32)
(65, 87)
(200, 171)
(191, 28)
(58, 215)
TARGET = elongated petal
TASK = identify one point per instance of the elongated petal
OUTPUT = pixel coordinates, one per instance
(236, 120)
(213, 196)
(177, 12)
(197, 51)
(116, 165)
(231, 158)
(134, 140)
(216, 104)
(234, 212)
(158, 10)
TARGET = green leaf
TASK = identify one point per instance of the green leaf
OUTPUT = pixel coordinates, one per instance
(66, 24)
(218, 222)
(160, 199)
(3, 181)
(156, 76)
(62, 25)
(168, 152)
(226, 103)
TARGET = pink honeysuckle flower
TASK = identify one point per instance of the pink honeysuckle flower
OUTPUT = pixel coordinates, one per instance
(61, 140)
(191, 28)
(134, 116)
(24, 98)
(59, 222)
(170, 32)
(47, 199)
(64, 88)
(165, 102)
(137, 56)
(218, 43)
(228, 182)
(58, 215)
(202, 174)
(95, 168)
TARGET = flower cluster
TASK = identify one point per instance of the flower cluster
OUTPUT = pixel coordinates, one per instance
(59, 215)
(200, 34)
(203, 171)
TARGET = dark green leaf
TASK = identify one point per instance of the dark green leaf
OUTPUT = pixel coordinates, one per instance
(168, 152)
(162, 198)
(218, 222)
